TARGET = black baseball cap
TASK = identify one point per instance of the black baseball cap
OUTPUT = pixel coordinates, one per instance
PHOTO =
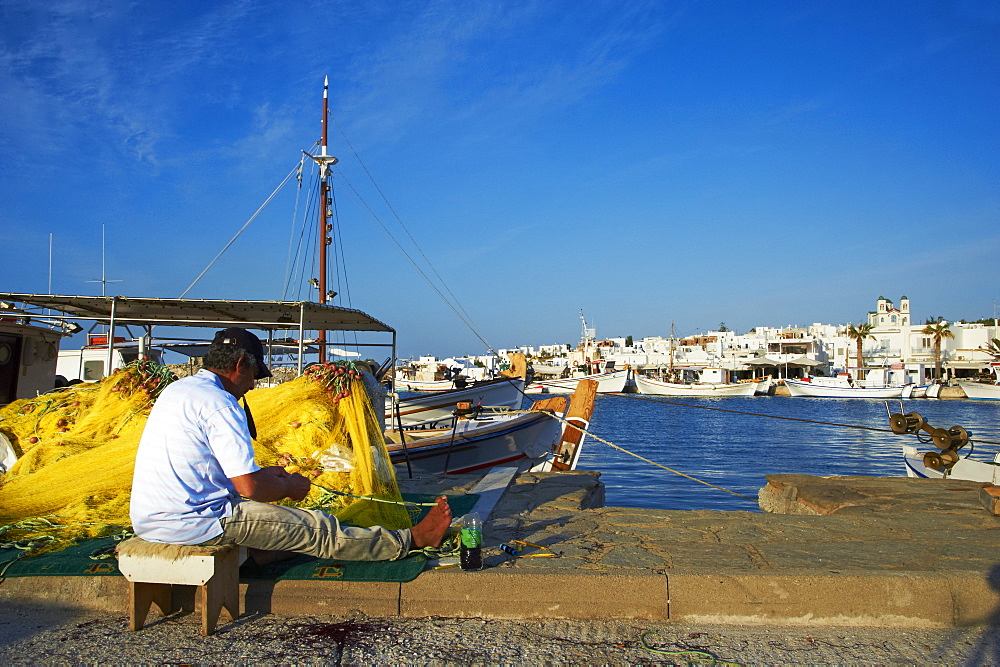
(249, 342)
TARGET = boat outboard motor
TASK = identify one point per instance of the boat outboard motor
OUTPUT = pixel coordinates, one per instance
(949, 441)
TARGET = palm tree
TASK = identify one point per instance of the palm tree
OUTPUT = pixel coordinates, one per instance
(992, 348)
(939, 330)
(859, 334)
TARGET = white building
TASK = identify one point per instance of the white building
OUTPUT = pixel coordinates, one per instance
(790, 351)
(897, 340)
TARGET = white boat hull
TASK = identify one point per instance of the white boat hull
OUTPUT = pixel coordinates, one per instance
(659, 388)
(612, 382)
(798, 388)
(966, 469)
(440, 406)
(764, 387)
(524, 440)
(980, 391)
(424, 385)
(534, 440)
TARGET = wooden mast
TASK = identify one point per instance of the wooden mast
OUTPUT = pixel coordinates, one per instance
(670, 361)
(323, 238)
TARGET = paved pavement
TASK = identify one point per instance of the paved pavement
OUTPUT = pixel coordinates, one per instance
(886, 569)
(857, 551)
(45, 636)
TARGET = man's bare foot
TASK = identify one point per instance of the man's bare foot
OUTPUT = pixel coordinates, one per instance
(264, 557)
(432, 528)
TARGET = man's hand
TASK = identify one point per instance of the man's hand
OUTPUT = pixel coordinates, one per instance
(270, 484)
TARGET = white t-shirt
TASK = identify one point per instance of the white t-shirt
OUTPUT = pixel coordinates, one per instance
(195, 440)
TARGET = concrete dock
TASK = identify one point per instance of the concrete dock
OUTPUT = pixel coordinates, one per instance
(837, 551)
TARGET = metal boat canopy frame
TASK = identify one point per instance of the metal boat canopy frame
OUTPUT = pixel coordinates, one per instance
(268, 316)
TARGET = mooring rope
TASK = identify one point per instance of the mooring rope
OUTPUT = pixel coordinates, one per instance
(641, 458)
(757, 414)
(706, 407)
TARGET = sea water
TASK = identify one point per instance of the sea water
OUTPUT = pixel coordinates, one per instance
(739, 441)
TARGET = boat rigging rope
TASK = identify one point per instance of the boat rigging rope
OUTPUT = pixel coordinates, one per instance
(291, 236)
(242, 229)
(451, 300)
(467, 318)
(455, 307)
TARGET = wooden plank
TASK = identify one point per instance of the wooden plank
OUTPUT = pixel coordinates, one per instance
(490, 488)
(556, 404)
(990, 495)
(581, 407)
(582, 404)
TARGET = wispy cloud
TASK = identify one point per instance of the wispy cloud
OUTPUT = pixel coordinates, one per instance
(793, 111)
(61, 78)
(544, 58)
(74, 70)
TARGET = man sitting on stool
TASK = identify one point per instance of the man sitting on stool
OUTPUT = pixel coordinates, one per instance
(196, 481)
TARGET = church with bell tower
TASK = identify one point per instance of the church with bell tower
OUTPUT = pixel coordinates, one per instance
(888, 315)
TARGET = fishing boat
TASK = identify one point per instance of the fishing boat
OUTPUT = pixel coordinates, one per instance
(440, 406)
(424, 385)
(967, 468)
(608, 382)
(764, 386)
(648, 385)
(983, 391)
(589, 366)
(980, 391)
(482, 438)
(505, 392)
(946, 462)
(842, 386)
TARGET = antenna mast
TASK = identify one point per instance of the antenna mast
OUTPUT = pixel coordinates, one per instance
(104, 281)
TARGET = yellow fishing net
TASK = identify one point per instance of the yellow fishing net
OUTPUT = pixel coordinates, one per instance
(76, 450)
(323, 425)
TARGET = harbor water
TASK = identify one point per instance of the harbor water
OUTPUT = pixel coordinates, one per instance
(739, 441)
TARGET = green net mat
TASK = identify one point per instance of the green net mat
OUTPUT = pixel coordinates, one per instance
(96, 558)
(85, 559)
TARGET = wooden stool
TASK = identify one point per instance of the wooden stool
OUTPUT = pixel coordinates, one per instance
(152, 568)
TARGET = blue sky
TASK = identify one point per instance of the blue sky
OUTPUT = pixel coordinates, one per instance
(746, 162)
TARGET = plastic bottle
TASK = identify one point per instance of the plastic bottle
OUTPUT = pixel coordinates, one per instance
(472, 542)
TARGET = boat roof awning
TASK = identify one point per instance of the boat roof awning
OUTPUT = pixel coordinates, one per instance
(201, 349)
(266, 315)
(763, 361)
(806, 361)
(967, 364)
